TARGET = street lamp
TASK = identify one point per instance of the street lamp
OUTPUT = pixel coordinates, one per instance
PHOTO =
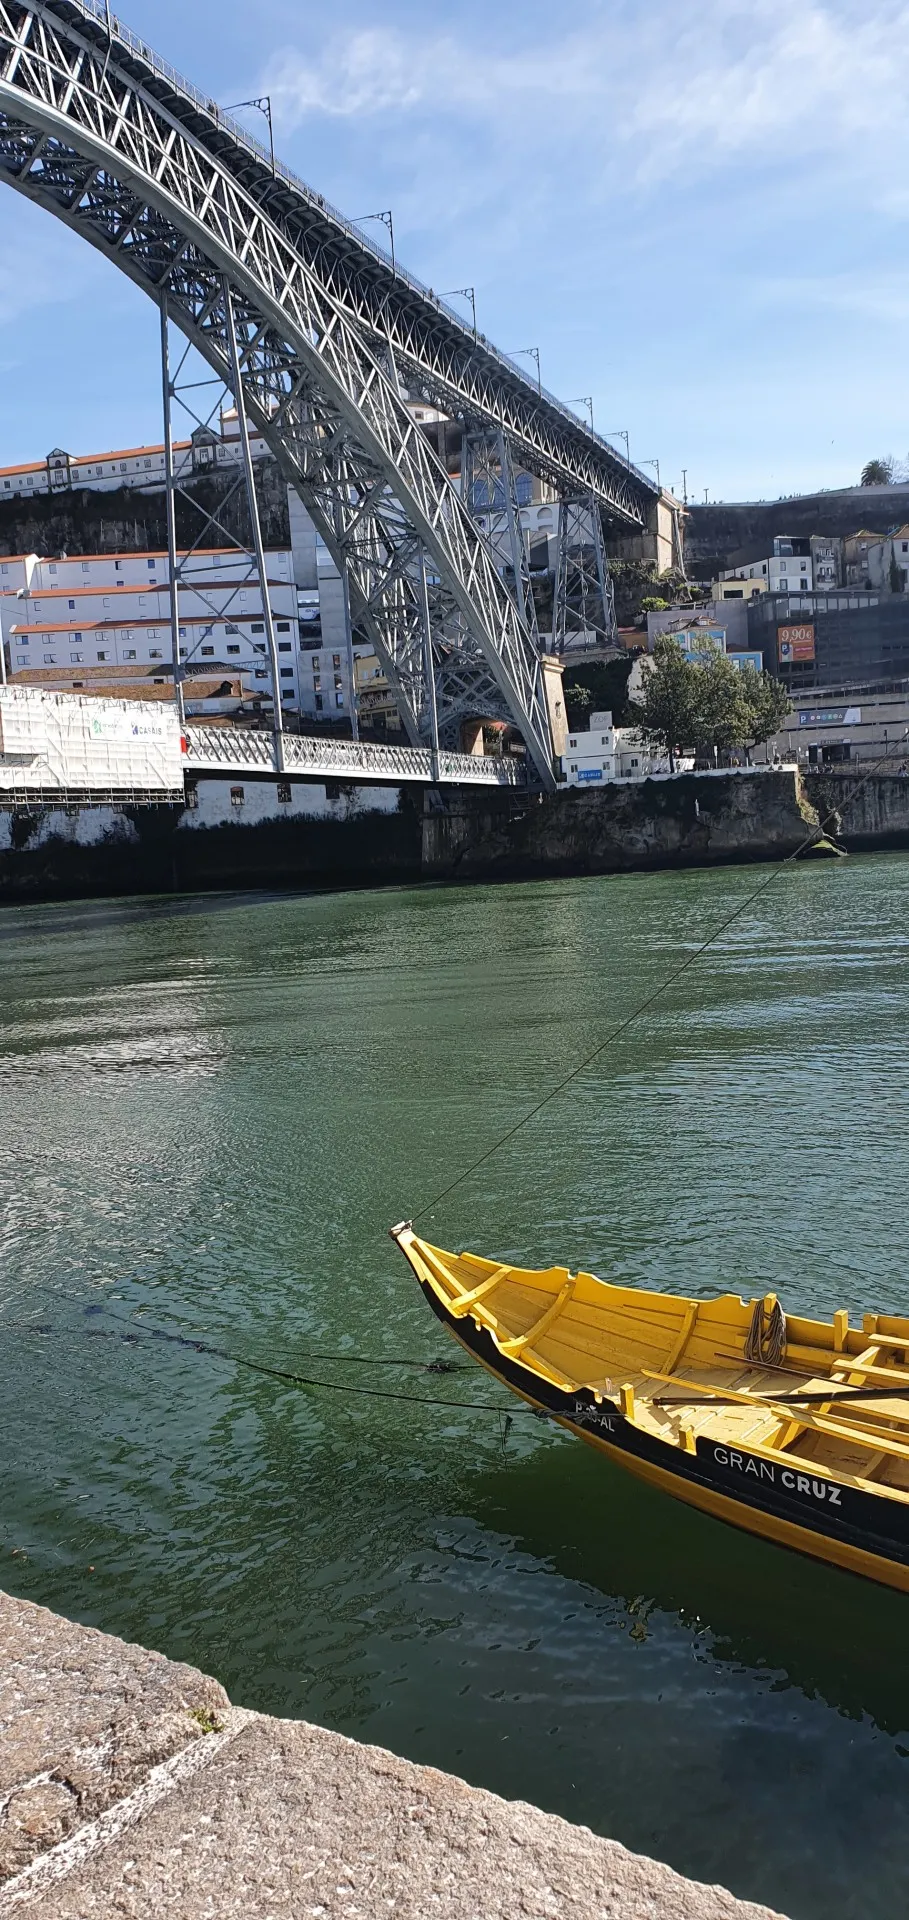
(262, 105)
(532, 353)
(620, 433)
(387, 221)
(585, 400)
(465, 293)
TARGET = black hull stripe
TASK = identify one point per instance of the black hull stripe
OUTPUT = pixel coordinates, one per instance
(818, 1504)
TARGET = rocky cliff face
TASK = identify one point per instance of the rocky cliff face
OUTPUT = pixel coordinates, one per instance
(731, 533)
(128, 520)
(696, 820)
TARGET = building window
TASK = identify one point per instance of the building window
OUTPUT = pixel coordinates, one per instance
(318, 702)
(233, 649)
(336, 659)
(147, 463)
(77, 637)
(50, 660)
(287, 693)
(154, 653)
(283, 626)
(338, 681)
(192, 798)
(284, 646)
(237, 796)
(22, 659)
(339, 699)
(208, 649)
(231, 629)
(102, 656)
(284, 794)
(75, 659)
(123, 466)
(151, 564)
(129, 653)
(257, 627)
(287, 673)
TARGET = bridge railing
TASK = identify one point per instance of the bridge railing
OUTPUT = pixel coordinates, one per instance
(239, 749)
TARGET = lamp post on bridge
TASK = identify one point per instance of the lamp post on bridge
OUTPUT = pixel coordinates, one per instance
(620, 433)
(262, 105)
(387, 220)
(532, 353)
(653, 463)
(585, 400)
(465, 293)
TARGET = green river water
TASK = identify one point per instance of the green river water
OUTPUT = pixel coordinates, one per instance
(210, 1112)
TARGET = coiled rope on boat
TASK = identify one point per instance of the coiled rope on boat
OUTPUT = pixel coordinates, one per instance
(766, 1342)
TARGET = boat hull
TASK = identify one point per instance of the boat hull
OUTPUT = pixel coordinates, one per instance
(812, 1515)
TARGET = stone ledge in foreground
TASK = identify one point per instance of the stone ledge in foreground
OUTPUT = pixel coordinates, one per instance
(261, 1819)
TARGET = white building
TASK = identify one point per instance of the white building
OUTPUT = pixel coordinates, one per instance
(591, 754)
(784, 570)
(114, 610)
(604, 752)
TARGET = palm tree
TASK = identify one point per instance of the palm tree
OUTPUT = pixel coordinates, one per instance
(877, 473)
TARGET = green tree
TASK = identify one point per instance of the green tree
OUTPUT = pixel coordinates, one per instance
(767, 704)
(721, 710)
(667, 712)
(877, 473)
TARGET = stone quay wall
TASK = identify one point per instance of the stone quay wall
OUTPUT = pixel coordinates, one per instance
(131, 1786)
(338, 836)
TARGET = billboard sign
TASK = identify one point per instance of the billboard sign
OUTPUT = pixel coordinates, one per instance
(794, 644)
(590, 773)
(831, 717)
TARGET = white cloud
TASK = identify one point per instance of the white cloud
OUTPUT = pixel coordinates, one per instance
(662, 88)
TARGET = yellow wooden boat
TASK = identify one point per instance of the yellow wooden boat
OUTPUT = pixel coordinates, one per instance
(794, 1429)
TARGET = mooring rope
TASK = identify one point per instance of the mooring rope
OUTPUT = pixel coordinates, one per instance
(650, 999)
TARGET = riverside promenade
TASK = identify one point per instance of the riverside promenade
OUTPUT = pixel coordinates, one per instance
(130, 1786)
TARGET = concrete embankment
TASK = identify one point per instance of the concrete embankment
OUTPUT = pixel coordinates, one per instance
(130, 1786)
(244, 836)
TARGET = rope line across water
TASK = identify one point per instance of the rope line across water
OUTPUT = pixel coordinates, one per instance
(658, 991)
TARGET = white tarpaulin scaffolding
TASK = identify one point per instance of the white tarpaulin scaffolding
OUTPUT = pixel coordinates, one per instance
(66, 745)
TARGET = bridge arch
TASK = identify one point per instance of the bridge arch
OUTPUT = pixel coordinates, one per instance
(94, 128)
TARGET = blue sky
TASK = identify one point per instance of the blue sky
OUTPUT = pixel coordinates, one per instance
(699, 215)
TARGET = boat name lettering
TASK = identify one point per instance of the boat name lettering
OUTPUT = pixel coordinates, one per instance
(593, 1417)
(801, 1483)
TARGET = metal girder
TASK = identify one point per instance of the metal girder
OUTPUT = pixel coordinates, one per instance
(463, 372)
(82, 137)
(584, 597)
(488, 486)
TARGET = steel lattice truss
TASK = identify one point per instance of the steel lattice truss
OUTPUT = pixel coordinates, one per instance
(85, 141)
(439, 353)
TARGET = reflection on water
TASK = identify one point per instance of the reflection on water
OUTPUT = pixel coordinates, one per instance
(209, 1113)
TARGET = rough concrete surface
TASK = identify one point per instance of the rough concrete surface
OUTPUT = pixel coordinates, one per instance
(270, 1819)
(83, 1718)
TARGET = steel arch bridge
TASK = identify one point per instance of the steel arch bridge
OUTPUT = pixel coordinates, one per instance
(103, 134)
